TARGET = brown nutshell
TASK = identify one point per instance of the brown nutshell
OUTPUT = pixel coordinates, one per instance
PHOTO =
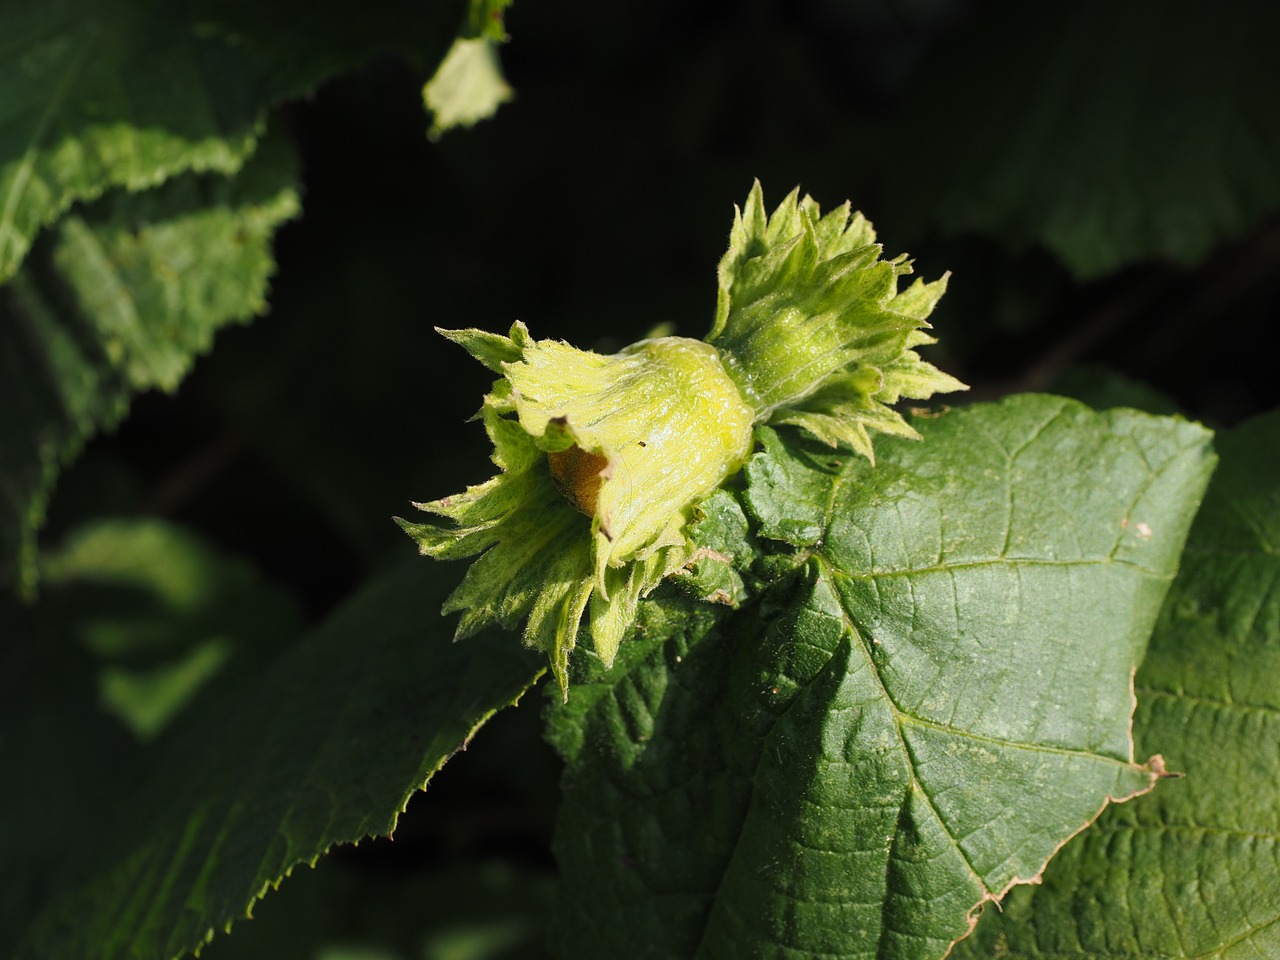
(578, 474)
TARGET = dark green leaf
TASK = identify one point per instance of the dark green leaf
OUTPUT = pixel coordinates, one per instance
(1190, 871)
(133, 289)
(57, 746)
(325, 747)
(906, 729)
(1110, 136)
(722, 536)
(84, 109)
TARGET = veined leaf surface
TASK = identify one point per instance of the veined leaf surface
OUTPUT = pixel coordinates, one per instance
(916, 721)
(1194, 869)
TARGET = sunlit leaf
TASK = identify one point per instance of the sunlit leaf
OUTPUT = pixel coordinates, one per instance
(908, 727)
(1192, 870)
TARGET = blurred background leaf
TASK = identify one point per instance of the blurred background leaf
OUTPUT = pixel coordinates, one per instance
(1140, 132)
(127, 95)
(477, 911)
(138, 618)
(164, 614)
(123, 93)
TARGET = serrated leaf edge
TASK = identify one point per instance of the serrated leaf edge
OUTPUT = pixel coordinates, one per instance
(1156, 771)
(409, 794)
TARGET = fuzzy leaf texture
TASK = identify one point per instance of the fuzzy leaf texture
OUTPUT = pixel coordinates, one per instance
(1194, 869)
(129, 291)
(911, 724)
(323, 745)
(82, 111)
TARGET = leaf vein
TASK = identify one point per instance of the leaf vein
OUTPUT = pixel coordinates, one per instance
(1269, 710)
(1001, 561)
(1196, 828)
(914, 787)
(1011, 744)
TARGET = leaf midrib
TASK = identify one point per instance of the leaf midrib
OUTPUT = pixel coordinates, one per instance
(947, 567)
(902, 717)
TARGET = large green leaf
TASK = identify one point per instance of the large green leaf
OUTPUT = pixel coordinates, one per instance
(1194, 869)
(912, 724)
(132, 290)
(103, 93)
(324, 747)
(1145, 131)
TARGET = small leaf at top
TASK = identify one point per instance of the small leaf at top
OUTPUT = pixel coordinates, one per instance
(467, 88)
